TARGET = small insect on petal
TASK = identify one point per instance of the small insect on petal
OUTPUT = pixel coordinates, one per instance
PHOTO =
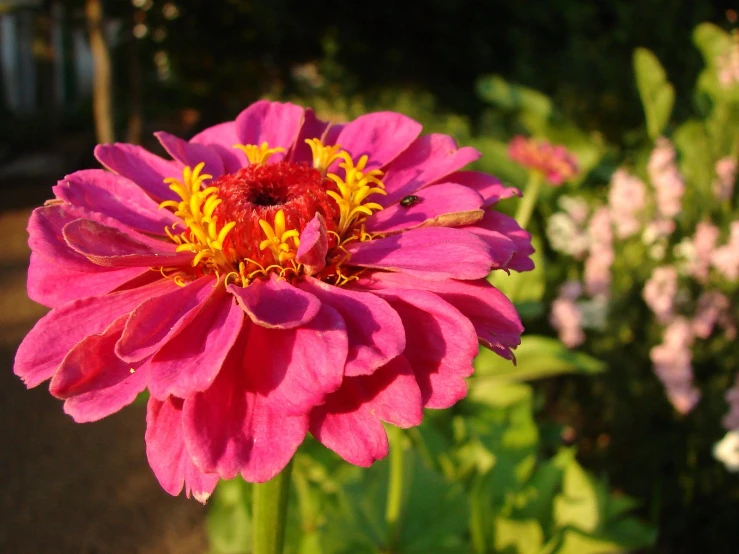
(409, 201)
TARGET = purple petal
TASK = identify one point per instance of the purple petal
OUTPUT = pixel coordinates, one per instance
(114, 196)
(57, 332)
(191, 154)
(140, 166)
(168, 455)
(221, 139)
(381, 136)
(275, 123)
(158, 319)
(191, 360)
(489, 187)
(494, 225)
(375, 331)
(275, 303)
(110, 247)
(443, 205)
(428, 159)
(313, 245)
(94, 381)
(430, 252)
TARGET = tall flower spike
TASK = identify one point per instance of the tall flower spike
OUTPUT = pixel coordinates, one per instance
(258, 154)
(354, 188)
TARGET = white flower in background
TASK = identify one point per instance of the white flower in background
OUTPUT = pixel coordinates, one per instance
(726, 450)
(594, 312)
(566, 236)
(577, 208)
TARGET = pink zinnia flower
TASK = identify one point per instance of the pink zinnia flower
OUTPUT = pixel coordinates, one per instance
(317, 277)
(555, 162)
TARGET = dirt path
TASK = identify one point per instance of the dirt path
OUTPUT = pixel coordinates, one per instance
(69, 488)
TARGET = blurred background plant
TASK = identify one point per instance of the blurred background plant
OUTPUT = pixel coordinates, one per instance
(602, 437)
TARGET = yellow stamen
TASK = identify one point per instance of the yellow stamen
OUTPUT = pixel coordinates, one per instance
(277, 238)
(324, 156)
(258, 154)
(354, 188)
(196, 208)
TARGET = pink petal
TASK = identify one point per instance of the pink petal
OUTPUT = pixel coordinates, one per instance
(167, 454)
(494, 317)
(190, 361)
(295, 369)
(158, 319)
(349, 422)
(191, 154)
(313, 245)
(441, 344)
(332, 133)
(114, 196)
(221, 139)
(375, 331)
(52, 286)
(446, 205)
(57, 332)
(381, 136)
(494, 224)
(429, 252)
(94, 381)
(140, 166)
(489, 187)
(275, 303)
(229, 429)
(275, 123)
(312, 127)
(428, 159)
(110, 247)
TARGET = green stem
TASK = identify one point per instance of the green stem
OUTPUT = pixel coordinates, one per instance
(530, 194)
(269, 502)
(394, 507)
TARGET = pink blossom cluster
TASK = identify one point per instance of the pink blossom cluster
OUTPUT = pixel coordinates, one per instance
(731, 420)
(555, 162)
(672, 365)
(668, 184)
(726, 258)
(713, 307)
(703, 246)
(566, 315)
(627, 198)
(660, 291)
(600, 258)
(723, 185)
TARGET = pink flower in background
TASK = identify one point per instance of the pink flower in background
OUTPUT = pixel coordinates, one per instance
(672, 365)
(704, 243)
(659, 292)
(723, 185)
(600, 258)
(726, 258)
(566, 316)
(731, 419)
(668, 184)
(712, 307)
(627, 197)
(555, 162)
(278, 275)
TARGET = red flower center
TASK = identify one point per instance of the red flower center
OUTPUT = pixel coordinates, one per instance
(259, 191)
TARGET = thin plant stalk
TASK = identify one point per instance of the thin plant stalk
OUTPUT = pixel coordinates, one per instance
(530, 195)
(269, 504)
(395, 493)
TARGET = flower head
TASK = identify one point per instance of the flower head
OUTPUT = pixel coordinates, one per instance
(278, 275)
(555, 162)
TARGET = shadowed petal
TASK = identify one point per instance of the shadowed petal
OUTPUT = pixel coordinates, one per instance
(381, 136)
(275, 303)
(94, 381)
(349, 422)
(441, 344)
(275, 123)
(430, 252)
(446, 205)
(312, 127)
(114, 196)
(494, 224)
(191, 154)
(140, 166)
(221, 139)
(167, 454)
(489, 187)
(190, 361)
(57, 332)
(428, 159)
(313, 245)
(375, 331)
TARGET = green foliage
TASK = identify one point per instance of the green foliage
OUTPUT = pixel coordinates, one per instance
(657, 94)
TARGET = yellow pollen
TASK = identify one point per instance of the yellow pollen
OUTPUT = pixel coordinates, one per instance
(324, 156)
(196, 208)
(354, 188)
(258, 154)
(277, 238)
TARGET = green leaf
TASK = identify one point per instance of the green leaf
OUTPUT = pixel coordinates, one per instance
(576, 542)
(712, 41)
(499, 92)
(537, 357)
(229, 518)
(518, 536)
(657, 94)
(577, 504)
